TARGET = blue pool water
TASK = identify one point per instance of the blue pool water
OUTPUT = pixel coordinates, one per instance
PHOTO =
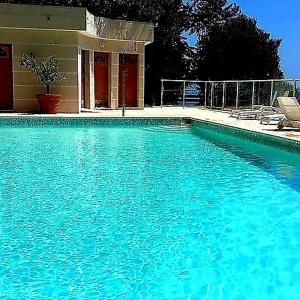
(146, 213)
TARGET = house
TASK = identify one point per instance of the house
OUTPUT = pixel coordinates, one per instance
(94, 52)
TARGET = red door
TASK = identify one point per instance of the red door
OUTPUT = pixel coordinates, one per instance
(101, 79)
(128, 68)
(6, 78)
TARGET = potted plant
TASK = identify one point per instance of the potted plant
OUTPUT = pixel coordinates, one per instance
(47, 72)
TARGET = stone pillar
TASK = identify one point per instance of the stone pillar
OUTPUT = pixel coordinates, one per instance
(114, 81)
(141, 79)
(91, 79)
(79, 57)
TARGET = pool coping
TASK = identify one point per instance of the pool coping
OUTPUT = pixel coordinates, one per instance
(62, 120)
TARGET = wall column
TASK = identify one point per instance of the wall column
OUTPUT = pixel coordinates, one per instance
(141, 80)
(114, 80)
(91, 79)
(79, 57)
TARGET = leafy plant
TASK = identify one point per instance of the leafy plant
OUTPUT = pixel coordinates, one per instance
(47, 71)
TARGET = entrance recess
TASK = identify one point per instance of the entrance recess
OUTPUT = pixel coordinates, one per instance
(6, 78)
(101, 79)
(84, 79)
(128, 67)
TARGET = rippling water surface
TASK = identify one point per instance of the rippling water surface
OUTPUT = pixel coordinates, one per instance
(146, 213)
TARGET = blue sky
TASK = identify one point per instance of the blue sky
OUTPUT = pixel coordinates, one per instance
(282, 19)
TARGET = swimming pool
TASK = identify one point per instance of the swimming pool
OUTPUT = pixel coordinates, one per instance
(146, 212)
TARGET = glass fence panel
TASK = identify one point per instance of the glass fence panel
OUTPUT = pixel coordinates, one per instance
(194, 94)
(172, 93)
(245, 95)
(230, 95)
(227, 95)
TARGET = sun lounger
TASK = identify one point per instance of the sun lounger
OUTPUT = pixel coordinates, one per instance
(255, 114)
(257, 111)
(290, 107)
(266, 120)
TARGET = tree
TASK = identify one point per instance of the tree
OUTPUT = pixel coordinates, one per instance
(167, 56)
(47, 71)
(237, 49)
(203, 14)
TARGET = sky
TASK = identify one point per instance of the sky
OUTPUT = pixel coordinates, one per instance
(281, 18)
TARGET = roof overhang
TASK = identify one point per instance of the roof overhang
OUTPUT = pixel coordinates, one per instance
(73, 19)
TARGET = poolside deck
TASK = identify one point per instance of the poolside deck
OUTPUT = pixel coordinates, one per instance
(220, 117)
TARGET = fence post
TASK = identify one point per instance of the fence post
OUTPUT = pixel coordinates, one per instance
(237, 96)
(294, 88)
(272, 91)
(183, 95)
(253, 95)
(211, 94)
(258, 94)
(205, 95)
(162, 93)
(224, 95)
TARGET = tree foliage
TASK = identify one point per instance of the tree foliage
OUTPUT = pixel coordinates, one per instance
(237, 49)
(206, 13)
(47, 71)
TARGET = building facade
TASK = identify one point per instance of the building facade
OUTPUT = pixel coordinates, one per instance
(102, 58)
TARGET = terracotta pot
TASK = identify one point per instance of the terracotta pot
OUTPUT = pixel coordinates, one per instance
(48, 103)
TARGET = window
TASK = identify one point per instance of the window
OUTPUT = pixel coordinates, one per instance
(4, 52)
(128, 59)
(100, 59)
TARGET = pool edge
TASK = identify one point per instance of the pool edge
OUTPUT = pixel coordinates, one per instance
(32, 120)
(255, 136)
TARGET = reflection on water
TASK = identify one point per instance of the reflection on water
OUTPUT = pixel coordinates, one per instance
(282, 164)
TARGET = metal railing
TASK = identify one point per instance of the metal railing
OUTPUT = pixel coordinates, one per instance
(228, 94)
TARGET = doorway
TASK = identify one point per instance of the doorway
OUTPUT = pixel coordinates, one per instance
(85, 99)
(101, 79)
(6, 77)
(128, 79)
